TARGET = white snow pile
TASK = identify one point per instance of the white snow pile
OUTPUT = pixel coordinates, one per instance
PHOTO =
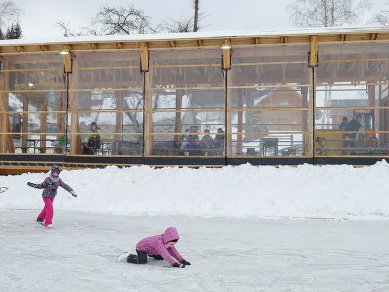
(340, 192)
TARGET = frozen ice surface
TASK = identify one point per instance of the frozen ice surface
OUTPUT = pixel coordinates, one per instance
(227, 254)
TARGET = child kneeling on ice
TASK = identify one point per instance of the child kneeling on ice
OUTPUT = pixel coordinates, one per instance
(50, 186)
(159, 247)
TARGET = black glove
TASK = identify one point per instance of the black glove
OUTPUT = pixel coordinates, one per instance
(186, 263)
(177, 265)
(30, 184)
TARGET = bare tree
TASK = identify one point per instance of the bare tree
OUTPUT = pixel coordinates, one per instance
(67, 30)
(182, 25)
(112, 20)
(196, 15)
(121, 20)
(382, 17)
(9, 12)
(327, 12)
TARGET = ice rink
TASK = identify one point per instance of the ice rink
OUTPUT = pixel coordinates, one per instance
(79, 254)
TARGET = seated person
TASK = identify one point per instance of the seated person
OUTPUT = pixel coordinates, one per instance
(207, 142)
(194, 143)
(219, 142)
(92, 141)
(184, 140)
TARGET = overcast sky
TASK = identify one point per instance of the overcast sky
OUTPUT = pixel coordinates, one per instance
(40, 15)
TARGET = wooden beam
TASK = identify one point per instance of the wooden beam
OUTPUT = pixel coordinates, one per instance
(67, 60)
(118, 46)
(160, 44)
(313, 57)
(6, 140)
(43, 128)
(92, 46)
(144, 56)
(226, 55)
(75, 139)
(119, 121)
(239, 140)
(26, 98)
(228, 131)
(177, 125)
(148, 120)
(67, 47)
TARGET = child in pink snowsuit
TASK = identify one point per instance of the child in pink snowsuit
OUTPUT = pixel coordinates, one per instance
(50, 186)
(159, 247)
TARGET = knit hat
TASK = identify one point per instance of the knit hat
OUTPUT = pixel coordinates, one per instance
(55, 168)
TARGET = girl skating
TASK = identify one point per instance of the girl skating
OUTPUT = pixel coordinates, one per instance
(50, 186)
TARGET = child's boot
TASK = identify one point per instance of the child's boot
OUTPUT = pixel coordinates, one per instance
(133, 259)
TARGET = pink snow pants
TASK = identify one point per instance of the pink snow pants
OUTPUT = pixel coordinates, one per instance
(47, 212)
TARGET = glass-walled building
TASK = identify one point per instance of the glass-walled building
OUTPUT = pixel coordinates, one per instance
(288, 98)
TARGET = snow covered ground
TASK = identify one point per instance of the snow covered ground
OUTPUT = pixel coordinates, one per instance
(79, 253)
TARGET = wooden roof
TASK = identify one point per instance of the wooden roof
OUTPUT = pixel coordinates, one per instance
(195, 40)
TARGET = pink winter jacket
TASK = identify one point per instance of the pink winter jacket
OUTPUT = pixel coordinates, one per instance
(155, 245)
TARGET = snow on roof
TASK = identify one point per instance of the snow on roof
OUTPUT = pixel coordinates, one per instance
(198, 35)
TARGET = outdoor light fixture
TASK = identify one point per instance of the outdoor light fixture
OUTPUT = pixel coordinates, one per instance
(30, 84)
(225, 47)
(64, 52)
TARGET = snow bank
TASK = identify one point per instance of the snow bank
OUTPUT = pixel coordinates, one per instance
(241, 191)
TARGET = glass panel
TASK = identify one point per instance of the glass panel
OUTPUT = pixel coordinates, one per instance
(351, 99)
(270, 89)
(187, 102)
(106, 103)
(33, 98)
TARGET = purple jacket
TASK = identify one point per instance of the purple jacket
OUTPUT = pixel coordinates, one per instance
(50, 186)
(155, 245)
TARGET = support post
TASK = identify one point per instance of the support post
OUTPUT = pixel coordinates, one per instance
(228, 134)
(75, 137)
(239, 140)
(26, 99)
(148, 118)
(42, 137)
(6, 140)
(313, 56)
(226, 54)
(177, 128)
(144, 57)
(119, 121)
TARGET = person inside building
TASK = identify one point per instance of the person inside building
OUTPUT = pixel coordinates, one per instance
(351, 133)
(207, 142)
(92, 141)
(219, 142)
(194, 143)
(184, 141)
(343, 124)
